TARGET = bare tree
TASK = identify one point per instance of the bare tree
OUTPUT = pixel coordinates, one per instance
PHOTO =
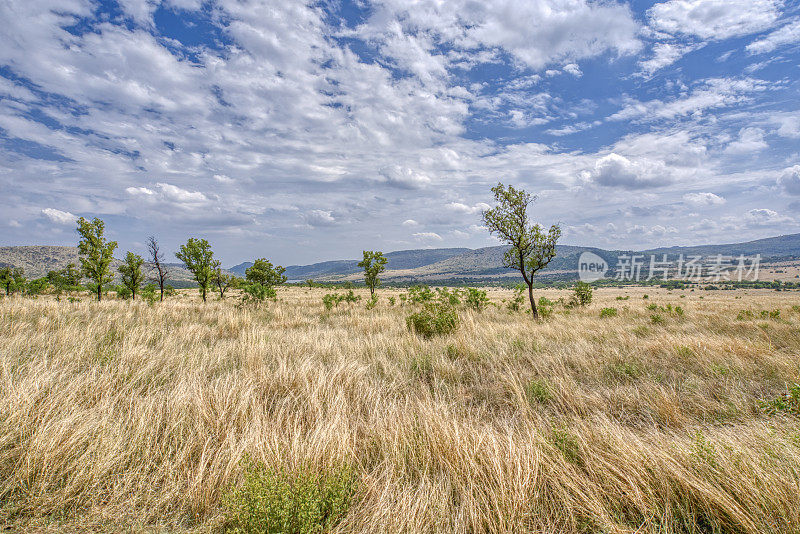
(160, 270)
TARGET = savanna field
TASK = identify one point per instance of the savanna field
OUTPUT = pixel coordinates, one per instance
(286, 417)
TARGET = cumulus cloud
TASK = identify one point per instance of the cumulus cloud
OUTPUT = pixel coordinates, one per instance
(169, 193)
(404, 178)
(699, 200)
(750, 140)
(615, 170)
(59, 217)
(320, 218)
(714, 19)
(427, 236)
(459, 207)
(790, 180)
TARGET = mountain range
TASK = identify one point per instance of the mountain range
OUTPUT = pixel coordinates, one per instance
(423, 265)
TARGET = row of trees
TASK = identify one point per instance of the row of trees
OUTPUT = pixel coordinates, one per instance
(531, 249)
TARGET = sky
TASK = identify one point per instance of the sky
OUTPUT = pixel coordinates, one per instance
(306, 131)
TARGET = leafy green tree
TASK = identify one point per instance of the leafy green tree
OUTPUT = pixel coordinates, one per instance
(131, 271)
(262, 277)
(262, 272)
(198, 257)
(374, 263)
(95, 253)
(530, 247)
(12, 279)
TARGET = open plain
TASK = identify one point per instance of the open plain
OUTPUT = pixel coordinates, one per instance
(124, 416)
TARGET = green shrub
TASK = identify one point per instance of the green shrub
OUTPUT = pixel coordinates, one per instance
(330, 300)
(258, 292)
(372, 302)
(537, 392)
(419, 294)
(434, 319)
(789, 402)
(626, 297)
(608, 312)
(515, 303)
(476, 299)
(149, 293)
(122, 292)
(657, 318)
(301, 501)
(583, 294)
(392, 300)
(445, 296)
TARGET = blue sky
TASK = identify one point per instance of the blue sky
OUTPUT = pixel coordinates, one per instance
(309, 131)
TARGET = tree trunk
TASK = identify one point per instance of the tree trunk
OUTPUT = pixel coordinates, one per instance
(161, 285)
(99, 292)
(534, 311)
(204, 294)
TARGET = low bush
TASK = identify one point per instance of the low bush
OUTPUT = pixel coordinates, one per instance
(537, 392)
(433, 319)
(582, 294)
(608, 312)
(476, 299)
(301, 501)
(789, 402)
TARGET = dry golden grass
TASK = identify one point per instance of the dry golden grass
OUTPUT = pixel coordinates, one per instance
(119, 416)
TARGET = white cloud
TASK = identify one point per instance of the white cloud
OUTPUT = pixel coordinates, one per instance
(615, 170)
(710, 94)
(714, 19)
(534, 32)
(427, 236)
(750, 140)
(787, 34)
(573, 69)
(320, 218)
(790, 180)
(404, 177)
(664, 54)
(410, 223)
(699, 200)
(789, 126)
(59, 217)
(464, 208)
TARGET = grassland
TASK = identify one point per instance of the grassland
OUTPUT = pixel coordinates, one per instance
(121, 416)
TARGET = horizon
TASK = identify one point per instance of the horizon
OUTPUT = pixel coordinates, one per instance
(315, 131)
(237, 264)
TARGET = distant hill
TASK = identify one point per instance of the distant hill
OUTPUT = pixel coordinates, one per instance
(423, 265)
(38, 260)
(487, 263)
(401, 259)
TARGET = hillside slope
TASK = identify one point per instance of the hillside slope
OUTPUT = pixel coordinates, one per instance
(38, 260)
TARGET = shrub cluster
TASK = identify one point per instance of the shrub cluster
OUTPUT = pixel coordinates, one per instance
(302, 501)
(435, 318)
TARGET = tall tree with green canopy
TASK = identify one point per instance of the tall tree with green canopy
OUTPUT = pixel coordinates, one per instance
(530, 248)
(374, 263)
(11, 279)
(198, 257)
(131, 271)
(95, 253)
(262, 277)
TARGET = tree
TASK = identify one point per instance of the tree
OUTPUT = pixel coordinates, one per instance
(199, 260)
(160, 270)
(530, 248)
(12, 279)
(223, 281)
(131, 271)
(262, 278)
(374, 263)
(96, 253)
